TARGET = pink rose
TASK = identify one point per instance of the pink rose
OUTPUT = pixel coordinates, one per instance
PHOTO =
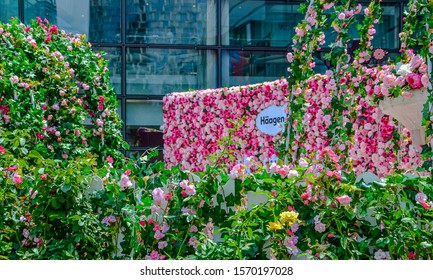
(400, 81)
(416, 62)
(328, 6)
(414, 80)
(425, 80)
(423, 69)
(344, 200)
(389, 80)
(290, 57)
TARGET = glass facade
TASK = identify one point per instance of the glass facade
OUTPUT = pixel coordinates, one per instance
(155, 47)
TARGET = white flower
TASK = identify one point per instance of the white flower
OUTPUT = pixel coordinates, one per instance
(303, 162)
(402, 69)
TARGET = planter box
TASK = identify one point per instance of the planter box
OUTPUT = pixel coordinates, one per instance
(408, 111)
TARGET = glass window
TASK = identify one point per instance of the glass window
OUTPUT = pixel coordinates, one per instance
(9, 8)
(144, 121)
(171, 22)
(162, 71)
(100, 20)
(258, 23)
(386, 32)
(113, 57)
(250, 67)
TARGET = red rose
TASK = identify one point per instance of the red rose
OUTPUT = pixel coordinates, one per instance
(414, 80)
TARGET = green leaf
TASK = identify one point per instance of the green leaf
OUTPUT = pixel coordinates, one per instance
(22, 141)
(425, 244)
(66, 188)
(250, 232)
(344, 242)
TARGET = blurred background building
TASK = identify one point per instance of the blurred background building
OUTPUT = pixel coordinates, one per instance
(155, 47)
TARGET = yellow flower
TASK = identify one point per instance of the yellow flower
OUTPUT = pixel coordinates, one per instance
(274, 226)
(289, 218)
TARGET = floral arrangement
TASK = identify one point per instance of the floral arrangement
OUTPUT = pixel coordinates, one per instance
(403, 78)
(196, 122)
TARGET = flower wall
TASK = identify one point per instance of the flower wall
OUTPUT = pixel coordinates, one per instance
(196, 121)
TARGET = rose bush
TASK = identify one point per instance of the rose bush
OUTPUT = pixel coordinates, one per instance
(51, 84)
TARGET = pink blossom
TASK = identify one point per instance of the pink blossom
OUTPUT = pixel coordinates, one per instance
(344, 200)
(416, 62)
(162, 245)
(125, 182)
(109, 220)
(17, 179)
(158, 195)
(193, 229)
(190, 190)
(158, 235)
(327, 6)
(290, 57)
(193, 241)
(414, 80)
(154, 255)
(320, 227)
(425, 80)
(14, 80)
(367, 12)
(184, 183)
(35, 193)
(421, 197)
(300, 32)
(380, 255)
(341, 16)
(165, 227)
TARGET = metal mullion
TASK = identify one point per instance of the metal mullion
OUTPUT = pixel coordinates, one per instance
(123, 65)
(219, 40)
(21, 10)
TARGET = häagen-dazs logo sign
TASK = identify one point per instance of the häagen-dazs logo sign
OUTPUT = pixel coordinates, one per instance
(272, 119)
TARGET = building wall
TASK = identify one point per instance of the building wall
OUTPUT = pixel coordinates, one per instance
(155, 47)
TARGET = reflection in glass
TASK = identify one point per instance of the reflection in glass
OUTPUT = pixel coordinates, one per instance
(258, 23)
(113, 57)
(99, 19)
(162, 71)
(386, 36)
(250, 67)
(387, 31)
(143, 123)
(171, 22)
(9, 8)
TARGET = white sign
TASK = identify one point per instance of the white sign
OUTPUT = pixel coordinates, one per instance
(272, 119)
